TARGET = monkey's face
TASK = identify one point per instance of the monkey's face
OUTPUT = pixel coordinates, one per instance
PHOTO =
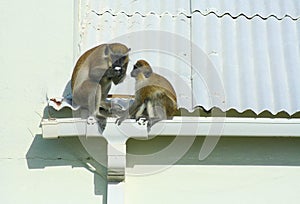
(135, 71)
(141, 67)
(118, 67)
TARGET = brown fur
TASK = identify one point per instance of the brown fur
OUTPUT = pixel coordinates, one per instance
(155, 97)
(94, 73)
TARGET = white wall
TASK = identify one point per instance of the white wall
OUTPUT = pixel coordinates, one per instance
(216, 185)
(36, 58)
(243, 170)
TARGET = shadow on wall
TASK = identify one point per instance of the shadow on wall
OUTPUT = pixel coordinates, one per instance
(69, 151)
(267, 151)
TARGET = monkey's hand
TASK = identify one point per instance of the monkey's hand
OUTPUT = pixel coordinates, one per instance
(116, 110)
(110, 110)
(120, 119)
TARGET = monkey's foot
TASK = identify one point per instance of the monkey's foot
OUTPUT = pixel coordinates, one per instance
(120, 120)
(141, 120)
(151, 122)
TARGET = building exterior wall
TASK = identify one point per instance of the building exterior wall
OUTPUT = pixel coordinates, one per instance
(36, 41)
(36, 60)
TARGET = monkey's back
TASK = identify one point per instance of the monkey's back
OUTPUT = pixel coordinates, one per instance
(157, 87)
(83, 61)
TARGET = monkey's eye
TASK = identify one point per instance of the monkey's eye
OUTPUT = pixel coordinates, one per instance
(134, 67)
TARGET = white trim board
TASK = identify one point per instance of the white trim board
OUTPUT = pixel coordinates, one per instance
(179, 126)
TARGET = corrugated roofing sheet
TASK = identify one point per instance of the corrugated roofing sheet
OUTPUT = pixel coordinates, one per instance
(248, 8)
(258, 62)
(226, 61)
(142, 7)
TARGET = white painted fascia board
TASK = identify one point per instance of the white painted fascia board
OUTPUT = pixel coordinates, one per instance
(179, 126)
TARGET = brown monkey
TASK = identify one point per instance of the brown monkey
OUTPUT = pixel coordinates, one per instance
(155, 98)
(93, 75)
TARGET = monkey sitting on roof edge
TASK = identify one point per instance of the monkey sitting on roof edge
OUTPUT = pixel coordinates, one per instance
(155, 97)
(92, 77)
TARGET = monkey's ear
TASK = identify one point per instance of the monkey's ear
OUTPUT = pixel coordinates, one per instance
(129, 49)
(107, 50)
(147, 73)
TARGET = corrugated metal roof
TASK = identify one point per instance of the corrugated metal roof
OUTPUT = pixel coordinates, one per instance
(258, 62)
(246, 62)
(248, 8)
(130, 7)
